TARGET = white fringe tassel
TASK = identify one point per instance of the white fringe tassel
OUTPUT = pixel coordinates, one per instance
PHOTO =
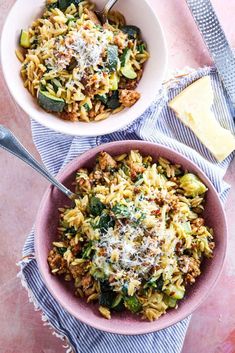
(32, 299)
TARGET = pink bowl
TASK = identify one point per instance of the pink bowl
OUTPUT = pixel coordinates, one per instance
(127, 324)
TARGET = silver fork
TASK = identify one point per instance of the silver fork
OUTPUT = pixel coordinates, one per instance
(10, 143)
(103, 14)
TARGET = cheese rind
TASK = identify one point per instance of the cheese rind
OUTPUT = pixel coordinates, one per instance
(193, 107)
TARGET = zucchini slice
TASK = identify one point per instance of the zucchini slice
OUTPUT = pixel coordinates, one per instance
(171, 302)
(24, 39)
(113, 101)
(175, 292)
(118, 303)
(56, 84)
(113, 81)
(87, 253)
(50, 103)
(86, 103)
(112, 57)
(125, 56)
(128, 71)
(87, 107)
(71, 20)
(133, 304)
(107, 296)
(132, 31)
(102, 97)
(64, 4)
(54, 5)
(141, 48)
(117, 300)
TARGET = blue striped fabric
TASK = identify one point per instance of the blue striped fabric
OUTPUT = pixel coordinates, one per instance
(157, 124)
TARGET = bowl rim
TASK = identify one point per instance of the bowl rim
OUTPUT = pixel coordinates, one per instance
(67, 129)
(67, 170)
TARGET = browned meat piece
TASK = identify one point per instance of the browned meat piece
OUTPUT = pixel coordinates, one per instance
(128, 97)
(97, 175)
(198, 222)
(75, 248)
(92, 16)
(178, 248)
(137, 190)
(82, 181)
(125, 83)
(69, 116)
(88, 89)
(138, 168)
(57, 262)
(191, 268)
(84, 185)
(173, 203)
(91, 85)
(197, 225)
(92, 114)
(78, 270)
(156, 212)
(106, 162)
(102, 252)
(135, 169)
(86, 281)
(120, 40)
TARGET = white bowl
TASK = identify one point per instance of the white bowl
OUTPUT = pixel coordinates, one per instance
(138, 13)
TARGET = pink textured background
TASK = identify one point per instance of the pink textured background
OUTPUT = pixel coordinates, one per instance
(212, 328)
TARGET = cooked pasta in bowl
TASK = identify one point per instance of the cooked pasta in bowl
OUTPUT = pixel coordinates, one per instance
(77, 72)
(143, 242)
(134, 238)
(77, 67)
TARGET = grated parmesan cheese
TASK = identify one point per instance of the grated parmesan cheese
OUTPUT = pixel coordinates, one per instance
(137, 251)
(85, 45)
(140, 250)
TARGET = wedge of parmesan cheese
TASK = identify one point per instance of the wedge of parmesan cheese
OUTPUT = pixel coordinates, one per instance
(193, 107)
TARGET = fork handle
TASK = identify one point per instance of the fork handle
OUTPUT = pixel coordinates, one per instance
(10, 143)
(110, 4)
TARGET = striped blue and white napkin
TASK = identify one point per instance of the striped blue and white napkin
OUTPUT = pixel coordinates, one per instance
(157, 124)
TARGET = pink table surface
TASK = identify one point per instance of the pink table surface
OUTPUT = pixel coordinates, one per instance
(212, 328)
